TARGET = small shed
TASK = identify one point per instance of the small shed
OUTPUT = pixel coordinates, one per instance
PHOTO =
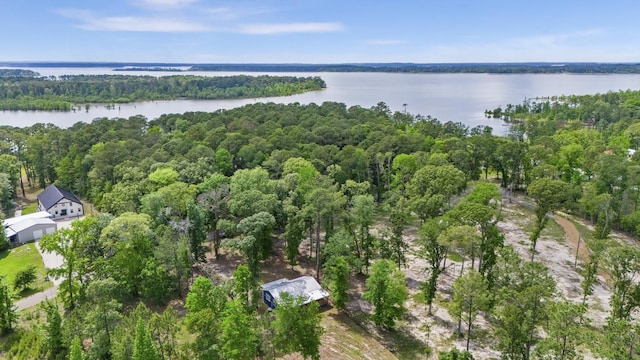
(305, 287)
(31, 227)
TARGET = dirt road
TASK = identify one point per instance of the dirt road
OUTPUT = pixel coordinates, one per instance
(573, 236)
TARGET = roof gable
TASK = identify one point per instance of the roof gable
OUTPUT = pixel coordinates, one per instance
(14, 220)
(53, 194)
(27, 223)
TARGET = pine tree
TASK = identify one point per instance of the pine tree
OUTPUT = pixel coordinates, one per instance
(75, 352)
(338, 273)
(143, 348)
(53, 328)
(8, 314)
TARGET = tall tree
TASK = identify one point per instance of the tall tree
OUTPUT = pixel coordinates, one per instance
(206, 304)
(65, 242)
(260, 226)
(523, 292)
(238, 332)
(622, 339)
(470, 295)
(623, 265)
(102, 315)
(394, 247)
(297, 328)
(75, 351)
(323, 204)
(337, 276)
(432, 187)
(387, 292)
(563, 331)
(215, 201)
(164, 330)
(129, 240)
(549, 195)
(435, 253)
(53, 329)
(362, 216)
(8, 313)
(196, 230)
(143, 348)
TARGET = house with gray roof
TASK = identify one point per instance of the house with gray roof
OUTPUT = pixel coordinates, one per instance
(26, 228)
(305, 287)
(60, 203)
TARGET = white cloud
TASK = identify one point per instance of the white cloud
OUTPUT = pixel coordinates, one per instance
(285, 28)
(231, 13)
(210, 20)
(163, 4)
(130, 23)
(385, 42)
(91, 22)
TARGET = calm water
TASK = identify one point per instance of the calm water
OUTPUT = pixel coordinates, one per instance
(448, 97)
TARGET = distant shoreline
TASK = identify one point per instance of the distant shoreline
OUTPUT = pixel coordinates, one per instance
(478, 68)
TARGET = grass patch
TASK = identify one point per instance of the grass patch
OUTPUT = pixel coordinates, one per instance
(345, 339)
(19, 258)
(553, 230)
(30, 209)
(408, 347)
(453, 256)
(587, 235)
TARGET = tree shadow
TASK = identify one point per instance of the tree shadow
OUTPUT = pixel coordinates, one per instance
(401, 343)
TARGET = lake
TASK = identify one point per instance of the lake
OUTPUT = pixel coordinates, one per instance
(447, 97)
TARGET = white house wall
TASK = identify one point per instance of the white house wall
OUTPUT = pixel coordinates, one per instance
(73, 209)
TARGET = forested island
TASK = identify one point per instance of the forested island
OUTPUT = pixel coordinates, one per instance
(433, 238)
(17, 73)
(18, 91)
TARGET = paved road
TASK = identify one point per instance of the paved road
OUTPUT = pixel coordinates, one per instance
(36, 299)
(51, 261)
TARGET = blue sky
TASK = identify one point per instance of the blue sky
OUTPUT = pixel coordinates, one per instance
(315, 31)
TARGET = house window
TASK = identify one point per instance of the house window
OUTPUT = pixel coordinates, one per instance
(72, 211)
(79, 210)
(63, 212)
(56, 212)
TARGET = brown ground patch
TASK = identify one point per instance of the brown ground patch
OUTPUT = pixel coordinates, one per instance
(573, 236)
(343, 338)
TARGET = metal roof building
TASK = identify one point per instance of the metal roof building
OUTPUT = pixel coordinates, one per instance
(31, 227)
(305, 287)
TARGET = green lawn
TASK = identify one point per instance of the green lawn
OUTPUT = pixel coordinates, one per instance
(30, 209)
(18, 258)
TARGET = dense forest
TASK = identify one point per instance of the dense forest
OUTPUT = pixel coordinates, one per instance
(337, 189)
(64, 92)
